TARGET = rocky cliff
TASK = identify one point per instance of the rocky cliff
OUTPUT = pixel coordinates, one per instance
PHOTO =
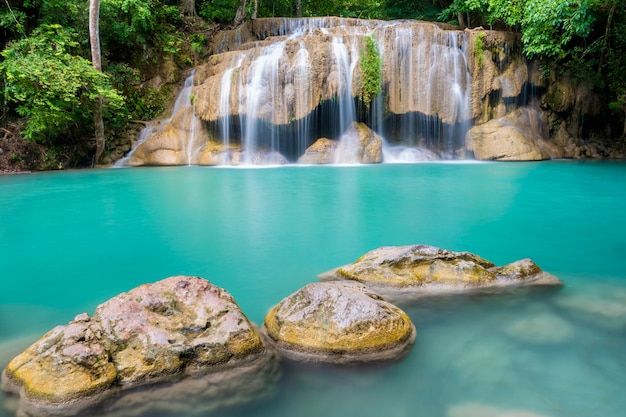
(275, 86)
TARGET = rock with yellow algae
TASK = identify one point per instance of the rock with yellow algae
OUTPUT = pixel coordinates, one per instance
(339, 322)
(173, 330)
(400, 272)
(67, 363)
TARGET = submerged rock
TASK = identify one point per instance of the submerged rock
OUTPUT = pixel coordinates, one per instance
(339, 322)
(176, 328)
(481, 410)
(413, 271)
(214, 153)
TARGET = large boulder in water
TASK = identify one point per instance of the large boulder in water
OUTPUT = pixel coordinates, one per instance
(339, 322)
(175, 328)
(322, 151)
(400, 272)
(359, 145)
(518, 136)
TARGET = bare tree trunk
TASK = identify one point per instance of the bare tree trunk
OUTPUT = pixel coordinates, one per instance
(607, 34)
(96, 59)
(188, 7)
(461, 19)
(298, 8)
(240, 15)
(255, 9)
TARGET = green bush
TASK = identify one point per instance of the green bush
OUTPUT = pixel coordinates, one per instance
(371, 74)
(54, 89)
(219, 11)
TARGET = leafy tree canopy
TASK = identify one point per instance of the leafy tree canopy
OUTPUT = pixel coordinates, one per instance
(52, 87)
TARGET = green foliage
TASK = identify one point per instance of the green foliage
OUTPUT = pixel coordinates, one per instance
(128, 23)
(411, 9)
(479, 47)
(219, 11)
(12, 21)
(141, 103)
(54, 89)
(363, 9)
(67, 13)
(198, 42)
(510, 12)
(548, 26)
(371, 74)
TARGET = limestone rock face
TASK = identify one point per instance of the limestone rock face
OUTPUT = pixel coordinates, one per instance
(320, 152)
(515, 137)
(413, 271)
(156, 332)
(301, 72)
(173, 141)
(339, 322)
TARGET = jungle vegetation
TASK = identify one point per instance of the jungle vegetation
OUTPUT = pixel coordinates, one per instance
(49, 89)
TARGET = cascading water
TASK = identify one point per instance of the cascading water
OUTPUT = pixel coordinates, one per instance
(268, 101)
(258, 96)
(429, 90)
(224, 111)
(185, 121)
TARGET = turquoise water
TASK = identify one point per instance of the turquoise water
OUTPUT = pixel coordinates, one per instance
(71, 240)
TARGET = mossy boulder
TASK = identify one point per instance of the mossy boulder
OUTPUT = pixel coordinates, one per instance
(418, 270)
(174, 329)
(339, 322)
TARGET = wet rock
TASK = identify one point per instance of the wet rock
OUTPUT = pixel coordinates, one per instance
(66, 364)
(359, 145)
(519, 136)
(176, 328)
(320, 152)
(339, 322)
(418, 270)
(214, 153)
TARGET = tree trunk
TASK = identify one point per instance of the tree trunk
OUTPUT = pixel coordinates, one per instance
(607, 34)
(255, 9)
(240, 15)
(298, 8)
(188, 7)
(96, 59)
(461, 19)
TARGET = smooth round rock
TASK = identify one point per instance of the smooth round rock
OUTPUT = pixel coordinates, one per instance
(339, 322)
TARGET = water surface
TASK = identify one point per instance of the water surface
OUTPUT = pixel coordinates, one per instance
(71, 240)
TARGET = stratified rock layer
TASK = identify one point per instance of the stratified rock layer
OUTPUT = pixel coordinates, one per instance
(418, 270)
(339, 322)
(156, 332)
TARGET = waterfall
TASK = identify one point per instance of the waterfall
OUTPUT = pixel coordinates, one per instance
(268, 100)
(429, 90)
(182, 120)
(258, 95)
(224, 121)
(183, 101)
